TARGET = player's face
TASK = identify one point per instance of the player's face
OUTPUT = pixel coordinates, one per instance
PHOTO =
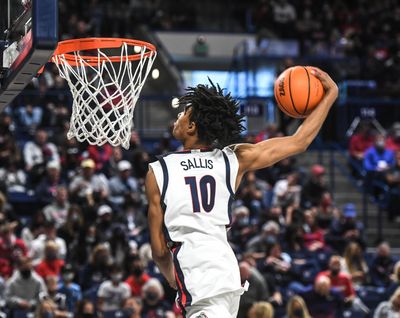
(182, 123)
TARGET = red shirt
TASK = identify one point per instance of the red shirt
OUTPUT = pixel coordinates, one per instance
(49, 268)
(312, 237)
(9, 254)
(136, 284)
(360, 143)
(342, 282)
(392, 144)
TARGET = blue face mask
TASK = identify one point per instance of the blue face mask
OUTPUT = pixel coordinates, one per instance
(47, 315)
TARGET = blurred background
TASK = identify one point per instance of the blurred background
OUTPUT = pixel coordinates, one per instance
(316, 234)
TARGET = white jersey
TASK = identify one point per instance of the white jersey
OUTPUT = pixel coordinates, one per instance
(196, 193)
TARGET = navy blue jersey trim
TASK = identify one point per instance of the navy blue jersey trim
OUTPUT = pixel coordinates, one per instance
(228, 174)
(186, 152)
(181, 278)
(166, 178)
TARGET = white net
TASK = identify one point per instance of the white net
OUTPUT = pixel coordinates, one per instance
(104, 95)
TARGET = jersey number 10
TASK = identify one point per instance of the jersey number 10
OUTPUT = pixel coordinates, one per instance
(207, 192)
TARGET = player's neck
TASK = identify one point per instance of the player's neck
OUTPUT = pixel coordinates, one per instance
(190, 144)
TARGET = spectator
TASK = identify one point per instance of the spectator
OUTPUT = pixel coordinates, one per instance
(24, 287)
(393, 181)
(354, 264)
(97, 269)
(50, 265)
(287, 191)
(346, 229)
(123, 185)
(12, 249)
(339, 280)
(362, 140)
(313, 236)
(322, 301)
(153, 302)
(57, 210)
(382, 266)
(259, 245)
(100, 154)
(393, 140)
(258, 289)
(297, 308)
(261, 310)
(377, 161)
(59, 299)
(85, 309)
(33, 229)
(132, 307)
(104, 225)
(38, 152)
(241, 229)
(284, 17)
(38, 244)
(389, 309)
(200, 47)
(73, 225)
(46, 191)
(315, 187)
(138, 277)
(88, 187)
(30, 117)
(12, 178)
(69, 289)
(112, 293)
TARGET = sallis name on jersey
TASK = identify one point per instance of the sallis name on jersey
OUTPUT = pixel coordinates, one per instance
(197, 163)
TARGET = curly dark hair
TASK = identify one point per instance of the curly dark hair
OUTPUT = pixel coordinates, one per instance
(215, 114)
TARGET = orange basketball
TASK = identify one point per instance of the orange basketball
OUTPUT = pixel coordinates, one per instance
(297, 91)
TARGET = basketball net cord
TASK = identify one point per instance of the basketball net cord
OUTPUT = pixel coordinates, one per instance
(104, 96)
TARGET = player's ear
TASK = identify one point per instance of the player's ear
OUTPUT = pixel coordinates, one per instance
(192, 128)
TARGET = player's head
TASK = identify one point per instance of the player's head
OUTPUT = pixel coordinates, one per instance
(210, 115)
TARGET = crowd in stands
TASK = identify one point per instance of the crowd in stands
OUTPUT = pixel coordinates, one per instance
(375, 161)
(74, 239)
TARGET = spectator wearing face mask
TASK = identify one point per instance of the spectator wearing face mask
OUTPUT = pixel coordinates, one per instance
(24, 287)
(297, 308)
(241, 227)
(112, 293)
(132, 307)
(389, 309)
(378, 160)
(259, 245)
(138, 277)
(67, 287)
(382, 266)
(153, 300)
(51, 264)
(85, 309)
(58, 299)
(342, 282)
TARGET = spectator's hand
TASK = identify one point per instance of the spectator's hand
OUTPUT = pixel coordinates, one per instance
(315, 246)
(277, 298)
(24, 304)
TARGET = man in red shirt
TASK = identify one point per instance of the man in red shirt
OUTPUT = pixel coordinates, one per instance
(138, 277)
(50, 265)
(12, 249)
(339, 280)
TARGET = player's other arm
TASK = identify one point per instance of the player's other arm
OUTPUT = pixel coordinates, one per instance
(266, 153)
(161, 254)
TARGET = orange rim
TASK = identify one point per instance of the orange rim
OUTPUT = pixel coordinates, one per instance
(68, 47)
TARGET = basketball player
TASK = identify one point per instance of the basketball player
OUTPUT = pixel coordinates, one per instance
(190, 193)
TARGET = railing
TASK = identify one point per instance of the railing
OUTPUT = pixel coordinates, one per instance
(365, 188)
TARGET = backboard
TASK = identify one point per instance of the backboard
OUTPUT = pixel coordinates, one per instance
(28, 38)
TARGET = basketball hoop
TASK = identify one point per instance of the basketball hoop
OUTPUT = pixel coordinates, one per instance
(105, 76)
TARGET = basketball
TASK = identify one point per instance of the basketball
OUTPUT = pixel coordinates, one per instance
(297, 91)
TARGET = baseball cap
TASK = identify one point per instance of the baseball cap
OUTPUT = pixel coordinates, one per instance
(349, 210)
(317, 170)
(124, 165)
(103, 209)
(88, 163)
(53, 165)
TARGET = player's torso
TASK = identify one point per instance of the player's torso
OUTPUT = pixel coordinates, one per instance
(198, 195)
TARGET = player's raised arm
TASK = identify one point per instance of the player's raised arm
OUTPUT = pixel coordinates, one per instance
(161, 254)
(266, 153)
